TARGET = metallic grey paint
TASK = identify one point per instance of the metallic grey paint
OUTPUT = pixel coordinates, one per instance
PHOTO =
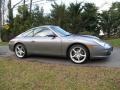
(59, 45)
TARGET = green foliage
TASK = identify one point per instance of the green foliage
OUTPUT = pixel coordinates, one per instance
(23, 12)
(89, 17)
(74, 15)
(37, 17)
(10, 13)
(58, 15)
(114, 42)
(22, 20)
(110, 20)
(5, 35)
(76, 18)
(87, 33)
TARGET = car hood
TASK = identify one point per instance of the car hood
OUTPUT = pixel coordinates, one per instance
(89, 36)
(84, 37)
(88, 39)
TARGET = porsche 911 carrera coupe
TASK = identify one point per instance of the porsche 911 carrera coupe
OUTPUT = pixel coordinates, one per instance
(53, 40)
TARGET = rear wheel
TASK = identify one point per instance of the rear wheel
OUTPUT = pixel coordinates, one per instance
(78, 54)
(20, 51)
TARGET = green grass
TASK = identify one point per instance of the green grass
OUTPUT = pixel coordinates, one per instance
(24, 75)
(3, 43)
(114, 42)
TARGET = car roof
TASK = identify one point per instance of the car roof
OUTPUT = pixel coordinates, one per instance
(45, 26)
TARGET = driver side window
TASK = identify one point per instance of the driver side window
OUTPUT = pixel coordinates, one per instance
(44, 32)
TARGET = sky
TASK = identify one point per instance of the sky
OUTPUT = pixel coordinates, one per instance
(101, 4)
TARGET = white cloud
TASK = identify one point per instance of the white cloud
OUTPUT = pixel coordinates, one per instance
(102, 4)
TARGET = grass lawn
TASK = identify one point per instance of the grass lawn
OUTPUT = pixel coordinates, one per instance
(24, 75)
(114, 42)
(3, 43)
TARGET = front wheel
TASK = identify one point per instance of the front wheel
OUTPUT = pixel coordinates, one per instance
(78, 54)
(20, 51)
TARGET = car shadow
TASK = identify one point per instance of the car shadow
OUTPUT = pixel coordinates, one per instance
(99, 60)
(46, 59)
(61, 60)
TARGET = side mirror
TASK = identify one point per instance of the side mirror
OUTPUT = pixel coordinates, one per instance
(52, 36)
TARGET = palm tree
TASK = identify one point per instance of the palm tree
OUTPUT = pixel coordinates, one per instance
(106, 22)
(89, 17)
(110, 20)
(58, 14)
(74, 14)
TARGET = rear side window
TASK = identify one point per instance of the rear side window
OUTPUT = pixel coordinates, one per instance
(43, 32)
(37, 32)
(28, 33)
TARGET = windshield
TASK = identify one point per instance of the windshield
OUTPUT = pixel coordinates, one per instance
(60, 31)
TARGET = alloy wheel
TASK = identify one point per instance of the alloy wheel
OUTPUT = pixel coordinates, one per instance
(78, 54)
(20, 51)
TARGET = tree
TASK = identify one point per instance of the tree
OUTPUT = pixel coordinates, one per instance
(10, 11)
(30, 5)
(106, 22)
(74, 15)
(38, 17)
(24, 2)
(0, 13)
(3, 11)
(0, 18)
(110, 20)
(23, 12)
(22, 19)
(58, 14)
(115, 15)
(26, 20)
(89, 17)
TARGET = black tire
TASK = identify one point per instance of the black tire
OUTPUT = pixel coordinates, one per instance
(83, 48)
(24, 49)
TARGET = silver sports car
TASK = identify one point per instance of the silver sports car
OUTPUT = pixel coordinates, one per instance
(53, 40)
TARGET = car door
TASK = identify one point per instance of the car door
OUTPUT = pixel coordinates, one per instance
(45, 41)
(26, 39)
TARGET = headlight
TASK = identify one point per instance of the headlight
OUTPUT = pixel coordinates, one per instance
(100, 42)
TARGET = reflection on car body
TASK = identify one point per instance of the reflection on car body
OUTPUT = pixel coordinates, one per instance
(53, 40)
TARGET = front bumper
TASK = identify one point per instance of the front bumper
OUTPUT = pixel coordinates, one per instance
(109, 50)
(101, 52)
(11, 46)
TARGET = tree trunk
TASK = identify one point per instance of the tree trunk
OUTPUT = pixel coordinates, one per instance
(10, 13)
(30, 6)
(3, 12)
(108, 33)
(23, 2)
(0, 18)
